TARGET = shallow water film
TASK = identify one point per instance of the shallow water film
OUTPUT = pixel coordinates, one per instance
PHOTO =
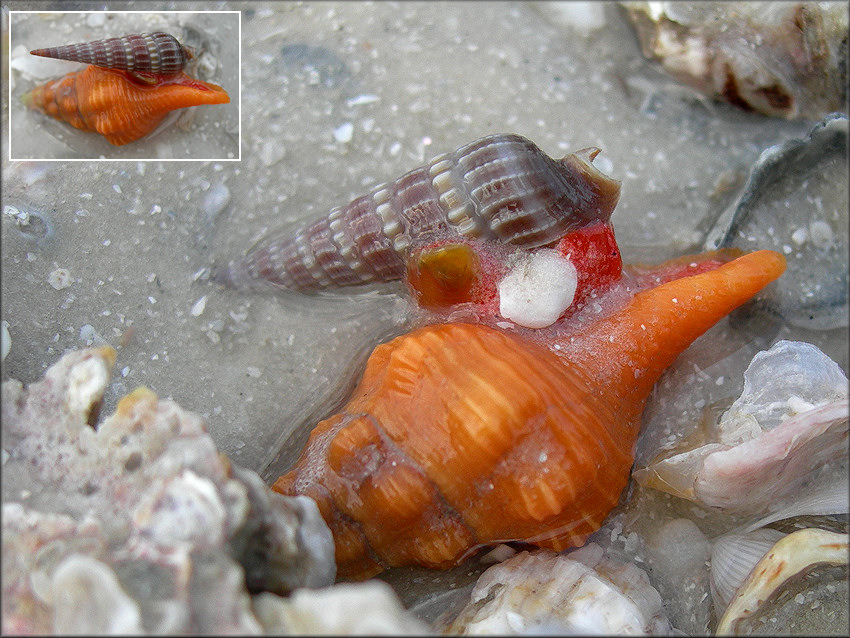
(152, 509)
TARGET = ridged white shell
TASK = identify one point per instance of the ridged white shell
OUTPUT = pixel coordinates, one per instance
(733, 557)
(583, 592)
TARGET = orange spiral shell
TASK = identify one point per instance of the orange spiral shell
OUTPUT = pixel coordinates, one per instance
(486, 404)
(111, 103)
(460, 435)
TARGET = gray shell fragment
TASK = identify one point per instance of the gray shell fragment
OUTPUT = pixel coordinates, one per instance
(783, 59)
(140, 522)
(796, 202)
(779, 445)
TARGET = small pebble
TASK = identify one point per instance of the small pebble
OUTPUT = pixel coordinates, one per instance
(60, 278)
(216, 200)
(344, 132)
(90, 336)
(538, 289)
(97, 19)
(821, 234)
(198, 308)
(272, 152)
(800, 236)
(362, 99)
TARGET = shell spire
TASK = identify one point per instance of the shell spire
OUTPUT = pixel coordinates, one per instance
(501, 188)
(114, 105)
(461, 435)
(146, 54)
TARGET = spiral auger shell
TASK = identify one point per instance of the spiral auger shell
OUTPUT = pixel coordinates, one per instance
(501, 188)
(155, 53)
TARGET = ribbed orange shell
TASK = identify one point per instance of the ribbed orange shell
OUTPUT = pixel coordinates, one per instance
(457, 416)
(460, 435)
(113, 104)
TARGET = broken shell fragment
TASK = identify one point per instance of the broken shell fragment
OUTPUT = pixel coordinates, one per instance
(580, 592)
(89, 599)
(790, 422)
(796, 201)
(370, 608)
(791, 556)
(733, 557)
(784, 59)
(140, 520)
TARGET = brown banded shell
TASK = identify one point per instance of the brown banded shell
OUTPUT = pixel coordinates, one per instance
(145, 53)
(501, 188)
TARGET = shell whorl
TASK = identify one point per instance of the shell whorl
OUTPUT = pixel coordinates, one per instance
(501, 188)
(485, 404)
(148, 53)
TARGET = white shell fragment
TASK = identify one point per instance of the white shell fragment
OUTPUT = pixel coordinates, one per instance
(788, 425)
(582, 592)
(371, 608)
(60, 279)
(89, 599)
(138, 525)
(581, 17)
(5, 339)
(538, 289)
(791, 556)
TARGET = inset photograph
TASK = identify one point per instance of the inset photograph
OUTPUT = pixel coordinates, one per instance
(113, 85)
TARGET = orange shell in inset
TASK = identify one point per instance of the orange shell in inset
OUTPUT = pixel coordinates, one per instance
(460, 435)
(111, 103)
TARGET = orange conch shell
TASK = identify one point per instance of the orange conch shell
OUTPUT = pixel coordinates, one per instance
(115, 105)
(461, 435)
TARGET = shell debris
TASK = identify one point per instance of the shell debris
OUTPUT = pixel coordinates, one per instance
(579, 592)
(112, 517)
(791, 556)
